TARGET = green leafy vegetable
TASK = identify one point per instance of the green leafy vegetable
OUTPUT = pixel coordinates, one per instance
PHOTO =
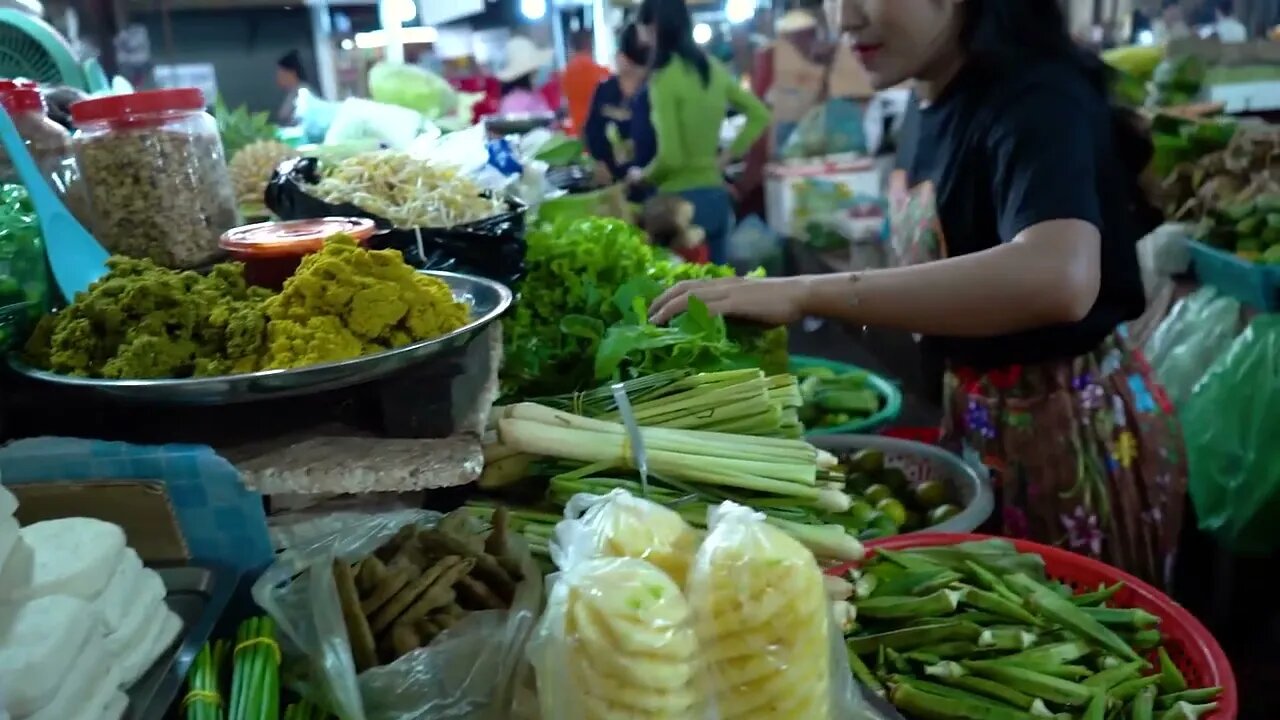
(581, 317)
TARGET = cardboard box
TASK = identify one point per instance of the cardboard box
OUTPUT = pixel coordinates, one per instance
(142, 508)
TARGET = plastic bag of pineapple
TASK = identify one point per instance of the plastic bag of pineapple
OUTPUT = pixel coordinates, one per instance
(762, 619)
(621, 525)
(617, 641)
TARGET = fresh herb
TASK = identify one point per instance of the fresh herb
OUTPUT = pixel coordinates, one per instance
(239, 127)
(580, 316)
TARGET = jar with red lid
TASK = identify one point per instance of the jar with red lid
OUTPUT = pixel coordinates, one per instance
(47, 141)
(272, 251)
(156, 178)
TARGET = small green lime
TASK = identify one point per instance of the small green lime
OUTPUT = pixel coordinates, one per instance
(942, 513)
(868, 461)
(856, 482)
(875, 493)
(897, 480)
(912, 522)
(931, 493)
(892, 507)
(861, 513)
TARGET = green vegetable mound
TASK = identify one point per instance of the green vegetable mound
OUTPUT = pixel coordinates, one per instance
(144, 321)
(580, 318)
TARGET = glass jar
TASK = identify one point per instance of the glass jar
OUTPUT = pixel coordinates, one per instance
(48, 142)
(157, 181)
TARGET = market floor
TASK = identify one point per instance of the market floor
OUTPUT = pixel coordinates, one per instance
(1229, 596)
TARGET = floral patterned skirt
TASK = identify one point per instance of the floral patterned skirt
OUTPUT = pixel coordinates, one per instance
(1084, 454)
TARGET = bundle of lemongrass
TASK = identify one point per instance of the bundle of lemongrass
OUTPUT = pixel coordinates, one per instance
(742, 402)
(790, 480)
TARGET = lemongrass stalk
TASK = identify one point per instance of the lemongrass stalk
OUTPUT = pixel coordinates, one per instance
(830, 542)
(585, 446)
(505, 472)
(697, 442)
(693, 400)
(494, 450)
(756, 409)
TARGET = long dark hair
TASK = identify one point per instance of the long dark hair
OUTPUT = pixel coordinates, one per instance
(673, 35)
(630, 46)
(1002, 34)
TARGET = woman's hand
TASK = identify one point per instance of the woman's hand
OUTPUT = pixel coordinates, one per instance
(772, 301)
(635, 176)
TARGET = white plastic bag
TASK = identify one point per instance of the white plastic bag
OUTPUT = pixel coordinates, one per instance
(1196, 332)
(772, 647)
(621, 525)
(467, 673)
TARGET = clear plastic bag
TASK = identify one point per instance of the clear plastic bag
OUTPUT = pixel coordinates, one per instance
(617, 641)
(468, 672)
(621, 525)
(1190, 338)
(762, 616)
(1231, 424)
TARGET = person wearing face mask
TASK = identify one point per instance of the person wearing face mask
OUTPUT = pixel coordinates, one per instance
(690, 94)
(1015, 212)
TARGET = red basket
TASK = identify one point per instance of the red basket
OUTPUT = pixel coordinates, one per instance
(927, 435)
(1192, 648)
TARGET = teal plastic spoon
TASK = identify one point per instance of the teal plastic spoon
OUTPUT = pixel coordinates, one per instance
(75, 257)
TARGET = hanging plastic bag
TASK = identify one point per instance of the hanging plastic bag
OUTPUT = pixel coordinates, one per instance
(832, 128)
(621, 525)
(762, 615)
(1231, 424)
(617, 640)
(24, 273)
(1185, 344)
(753, 244)
(466, 673)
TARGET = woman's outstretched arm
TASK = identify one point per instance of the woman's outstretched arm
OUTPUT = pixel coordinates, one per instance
(1049, 274)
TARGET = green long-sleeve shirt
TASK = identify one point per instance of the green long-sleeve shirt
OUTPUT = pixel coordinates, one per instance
(687, 115)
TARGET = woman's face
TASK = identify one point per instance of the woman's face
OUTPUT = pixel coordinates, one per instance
(898, 40)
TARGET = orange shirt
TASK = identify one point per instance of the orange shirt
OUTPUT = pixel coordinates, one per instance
(580, 78)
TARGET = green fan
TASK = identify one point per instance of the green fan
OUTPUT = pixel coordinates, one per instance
(31, 48)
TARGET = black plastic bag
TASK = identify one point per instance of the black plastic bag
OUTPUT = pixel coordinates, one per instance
(493, 247)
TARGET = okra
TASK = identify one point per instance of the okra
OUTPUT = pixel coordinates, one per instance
(922, 657)
(929, 686)
(914, 637)
(1066, 672)
(1145, 639)
(915, 702)
(1006, 639)
(865, 586)
(1187, 711)
(979, 617)
(990, 582)
(1136, 618)
(1199, 695)
(1063, 613)
(1111, 677)
(1097, 597)
(908, 561)
(864, 674)
(896, 662)
(1097, 709)
(1171, 679)
(992, 689)
(1106, 662)
(942, 602)
(1143, 705)
(946, 669)
(1053, 654)
(998, 605)
(917, 582)
(950, 649)
(1052, 689)
(1127, 690)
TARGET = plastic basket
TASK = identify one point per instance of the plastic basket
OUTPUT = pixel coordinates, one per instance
(1251, 283)
(921, 462)
(890, 408)
(1191, 646)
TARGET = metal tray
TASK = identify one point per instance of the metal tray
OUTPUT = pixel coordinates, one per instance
(488, 300)
(199, 595)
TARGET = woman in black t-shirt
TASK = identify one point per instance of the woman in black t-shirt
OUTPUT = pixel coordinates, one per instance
(1016, 209)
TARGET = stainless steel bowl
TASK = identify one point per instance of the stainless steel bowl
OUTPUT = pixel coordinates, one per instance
(488, 299)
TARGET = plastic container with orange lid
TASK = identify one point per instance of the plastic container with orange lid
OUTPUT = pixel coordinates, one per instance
(271, 251)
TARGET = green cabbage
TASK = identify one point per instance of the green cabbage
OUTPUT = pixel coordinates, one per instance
(412, 87)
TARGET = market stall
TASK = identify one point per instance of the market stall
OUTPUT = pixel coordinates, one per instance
(411, 447)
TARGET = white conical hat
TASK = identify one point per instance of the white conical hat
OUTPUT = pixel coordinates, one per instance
(523, 57)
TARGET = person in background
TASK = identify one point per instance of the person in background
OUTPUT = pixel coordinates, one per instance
(292, 79)
(1015, 215)
(607, 128)
(690, 95)
(1227, 27)
(524, 60)
(1172, 25)
(581, 76)
(806, 34)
